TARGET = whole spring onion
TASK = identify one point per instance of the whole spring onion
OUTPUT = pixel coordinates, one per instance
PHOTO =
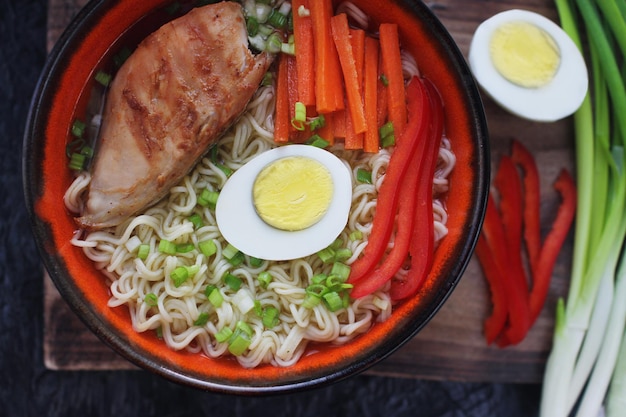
(585, 369)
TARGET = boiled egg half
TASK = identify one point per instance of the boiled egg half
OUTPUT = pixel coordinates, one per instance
(528, 65)
(286, 203)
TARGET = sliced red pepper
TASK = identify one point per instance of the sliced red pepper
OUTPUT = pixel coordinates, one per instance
(495, 323)
(516, 297)
(532, 196)
(509, 187)
(422, 246)
(551, 248)
(386, 208)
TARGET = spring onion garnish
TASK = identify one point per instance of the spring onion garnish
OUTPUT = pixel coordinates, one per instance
(208, 198)
(317, 122)
(78, 128)
(333, 301)
(356, 235)
(207, 247)
(224, 334)
(318, 141)
(243, 300)
(384, 80)
(202, 319)
(252, 25)
(327, 255)
(167, 247)
(274, 43)
(232, 281)
(143, 251)
(256, 262)
(270, 317)
(264, 279)
(214, 295)
(103, 78)
(179, 276)
(387, 136)
(299, 118)
(196, 219)
(151, 299)
(277, 19)
(288, 47)
(184, 247)
(77, 162)
(239, 341)
(364, 176)
(268, 79)
(233, 255)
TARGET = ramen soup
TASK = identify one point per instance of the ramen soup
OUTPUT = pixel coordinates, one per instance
(272, 237)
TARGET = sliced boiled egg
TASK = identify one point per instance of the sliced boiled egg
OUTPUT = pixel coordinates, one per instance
(286, 203)
(528, 65)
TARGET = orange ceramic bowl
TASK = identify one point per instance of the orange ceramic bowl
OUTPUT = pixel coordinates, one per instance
(91, 39)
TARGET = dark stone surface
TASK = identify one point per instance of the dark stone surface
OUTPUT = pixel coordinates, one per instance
(27, 388)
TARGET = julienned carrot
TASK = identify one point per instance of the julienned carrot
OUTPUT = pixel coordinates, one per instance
(305, 53)
(328, 130)
(341, 37)
(352, 139)
(392, 69)
(531, 210)
(328, 76)
(553, 242)
(282, 120)
(383, 222)
(370, 94)
(357, 40)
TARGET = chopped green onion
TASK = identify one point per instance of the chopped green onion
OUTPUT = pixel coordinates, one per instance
(103, 78)
(74, 146)
(208, 198)
(132, 244)
(342, 254)
(179, 276)
(264, 279)
(77, 162)
(311, 300)
(268, 79)
(364, 176)
(224, 334)
(274, 43)
(207, 247)
(244, 327)
(151, 299)
(238, 259)
(387, 135)
(319, 278)
(238, 343)
(256, 262)
(143, 252)
(257, 308)
(341, 270)
(299, 118)
(232, 281)
(233, 255)
(202, 319)
(333, 301)
(252, 25)
(384, 80)
(316, 289)
(318, 141)
(327, 255)
(214, 295)
(318, 122)
(270, 317)
(356, 235)
(184, 247)
(277, 19)
(288, 47)
(243, 300)
(167, 247)
(78, 128)
(159, 332)
(196, 219)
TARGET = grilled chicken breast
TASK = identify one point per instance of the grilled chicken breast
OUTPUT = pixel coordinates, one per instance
(176, 94)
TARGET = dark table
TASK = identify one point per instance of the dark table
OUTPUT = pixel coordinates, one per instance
(27, 388)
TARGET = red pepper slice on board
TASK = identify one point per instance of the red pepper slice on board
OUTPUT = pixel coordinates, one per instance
(553, 242)
(386, 208)
(422, 246)
(516, 298)
(532, 195)
(494, 324)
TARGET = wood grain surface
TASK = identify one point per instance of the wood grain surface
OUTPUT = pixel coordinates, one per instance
(451, 346)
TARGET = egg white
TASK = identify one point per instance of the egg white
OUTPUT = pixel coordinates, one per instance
(242, 227)
(559, 98)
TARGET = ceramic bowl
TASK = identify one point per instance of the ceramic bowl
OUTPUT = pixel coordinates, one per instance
(91, 38)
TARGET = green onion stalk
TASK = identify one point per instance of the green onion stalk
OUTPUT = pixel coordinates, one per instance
(586, 369)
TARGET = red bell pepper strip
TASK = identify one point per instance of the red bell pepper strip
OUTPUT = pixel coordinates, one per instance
(553, 242)
(422, 246)
(386, 208)
(532, 195)
(516, 296)
(495, 323)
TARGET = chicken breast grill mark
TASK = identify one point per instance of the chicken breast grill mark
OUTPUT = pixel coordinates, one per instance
(184, 85)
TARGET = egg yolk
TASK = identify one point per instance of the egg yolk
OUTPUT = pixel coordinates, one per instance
(524, 54)
(293, 193)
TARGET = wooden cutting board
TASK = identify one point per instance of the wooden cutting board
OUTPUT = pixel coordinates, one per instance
(451, 346)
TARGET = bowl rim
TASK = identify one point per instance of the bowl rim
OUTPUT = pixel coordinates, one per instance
(97, 324)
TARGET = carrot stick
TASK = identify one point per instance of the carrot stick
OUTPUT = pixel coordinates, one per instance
(381, 95)
(340, 121)
(352, 139)
(370, 94)
(328, 77)
(305, 53)
(357, 41)
(328, 131)
(282, 122)
(392, 67)
(341, 38)
(292, 88)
